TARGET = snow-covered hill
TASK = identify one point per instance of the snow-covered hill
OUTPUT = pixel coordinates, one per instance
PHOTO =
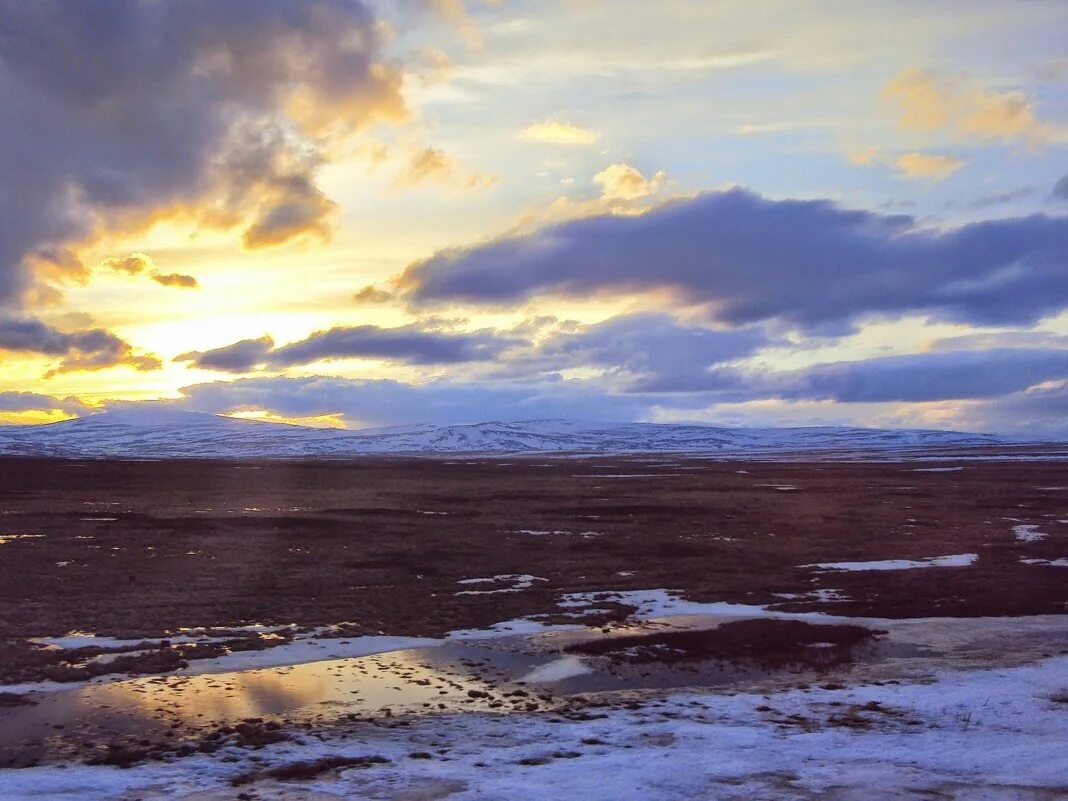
(187, 434)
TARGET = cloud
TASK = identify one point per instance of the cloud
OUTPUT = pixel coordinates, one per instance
(435, 64)
(645, 349)
(998, 198)
(431, 165)
(924, 377)
(240, 357)
(558, 132)
(1006, 389)
(1041, 413)
(176, 280)
(373, 294)
(928, 103)
(455, 11)
(115, 118)
(90, 349)
(134, 264)
(411, 344)
(997, 378)
(927, 166)
(382, 402)
(864, 157)
(749, 259)
(642, 346)
(417, 343)
(958, 368)
(299, 210)
(915, 165)
(425, 164)
(33, 401)
(623, 182)
(1060, 189)
(784, 126)
(142, 264)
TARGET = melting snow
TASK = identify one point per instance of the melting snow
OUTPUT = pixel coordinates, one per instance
(564, 668)
(5, 538)
(518, 582)
(1028, 533)
(954, 560)
(1063, 562)
(991, 734)
(623, 475)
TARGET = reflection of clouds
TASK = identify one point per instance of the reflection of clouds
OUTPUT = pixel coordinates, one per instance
(401, 680)
(369, 682)
(211, 697)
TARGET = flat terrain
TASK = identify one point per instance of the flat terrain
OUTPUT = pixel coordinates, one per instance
(142, 548)
(390, 628)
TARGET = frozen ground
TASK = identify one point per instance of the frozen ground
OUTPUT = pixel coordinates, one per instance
(982, 735)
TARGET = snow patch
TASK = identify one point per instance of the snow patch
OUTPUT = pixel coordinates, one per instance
(517, 581)
(567, 667)
(953, 560)
(1028, 533)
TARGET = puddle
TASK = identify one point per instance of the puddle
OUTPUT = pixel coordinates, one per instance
(173, 708)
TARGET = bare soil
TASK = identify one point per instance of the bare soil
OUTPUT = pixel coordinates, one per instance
(767, 643)
(142, 548)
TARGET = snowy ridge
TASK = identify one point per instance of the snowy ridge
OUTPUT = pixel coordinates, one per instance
(189, 434)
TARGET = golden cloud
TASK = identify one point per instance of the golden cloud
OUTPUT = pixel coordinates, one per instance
(929, 103)
(558, 133)
(622, 182)
(176, 280)
(432, 165)
(927, 166)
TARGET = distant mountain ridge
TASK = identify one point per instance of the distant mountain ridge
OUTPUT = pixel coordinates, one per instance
(190, 434)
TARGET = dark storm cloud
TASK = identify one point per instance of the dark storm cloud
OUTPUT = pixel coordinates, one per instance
(90, 349)
(117, 110)
(751, 259)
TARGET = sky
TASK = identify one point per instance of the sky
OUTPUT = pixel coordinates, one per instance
(354, 213)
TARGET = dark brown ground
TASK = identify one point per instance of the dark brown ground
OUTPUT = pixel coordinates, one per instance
(216, 543)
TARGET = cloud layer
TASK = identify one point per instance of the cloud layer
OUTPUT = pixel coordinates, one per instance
(90, 349)
(118, 111)
(751, 259)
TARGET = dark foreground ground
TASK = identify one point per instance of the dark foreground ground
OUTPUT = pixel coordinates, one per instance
(204, 549)
(132, 548)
